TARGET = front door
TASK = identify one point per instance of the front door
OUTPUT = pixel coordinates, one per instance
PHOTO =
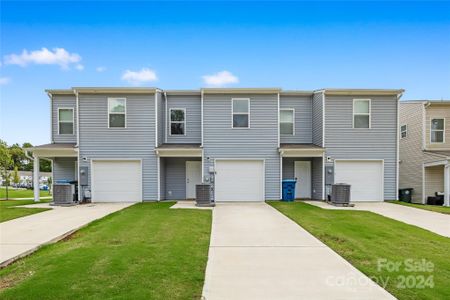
(303, 176)
(193, 177)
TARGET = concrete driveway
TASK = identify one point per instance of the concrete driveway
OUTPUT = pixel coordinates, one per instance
(432, 221)
(24, 235)
(258, 253)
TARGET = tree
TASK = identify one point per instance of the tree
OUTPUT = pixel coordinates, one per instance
(16, 177)
(45, 165)
(5, 164)
(49, 183)
(17, 155)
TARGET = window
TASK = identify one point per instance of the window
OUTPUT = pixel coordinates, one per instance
(403, 131)
(177, 121)
(65, 120)
(361, 113)
(287, 121)
(117, 109)
(437, 130)
(241, 113)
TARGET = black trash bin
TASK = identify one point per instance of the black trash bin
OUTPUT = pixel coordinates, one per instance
(405, 194)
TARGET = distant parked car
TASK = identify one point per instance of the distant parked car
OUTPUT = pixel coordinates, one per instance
(43, 187)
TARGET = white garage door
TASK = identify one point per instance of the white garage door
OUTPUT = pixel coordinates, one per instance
(365, 178)
(239, 180)
(116, 181)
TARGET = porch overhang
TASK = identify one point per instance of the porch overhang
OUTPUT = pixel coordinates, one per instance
(179, 150)
(301, 150)
(54, 150)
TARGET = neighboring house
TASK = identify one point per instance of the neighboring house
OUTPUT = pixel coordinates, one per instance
(425, 148)
(134, 144)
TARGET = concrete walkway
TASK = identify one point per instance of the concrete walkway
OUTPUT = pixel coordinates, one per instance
(24, 235)
(429, 220)
(258, 253)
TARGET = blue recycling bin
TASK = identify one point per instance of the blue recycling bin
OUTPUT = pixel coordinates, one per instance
(289, 189)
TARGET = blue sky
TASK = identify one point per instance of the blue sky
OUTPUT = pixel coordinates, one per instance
(292, 45)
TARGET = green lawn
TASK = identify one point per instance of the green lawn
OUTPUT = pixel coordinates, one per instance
(435, 208)
(8, 212)
(146, 251)
(20, 193)
(365, 239)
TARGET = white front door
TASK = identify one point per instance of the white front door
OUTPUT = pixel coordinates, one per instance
(193, 177)
(239, 180)
(302, 173)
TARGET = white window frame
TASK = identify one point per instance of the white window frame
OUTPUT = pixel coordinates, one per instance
(362, 114)
(232, 113)
(404, 131)
(293, 121)
(73, 121)
(117, 113)
(170, 121)
(443, 130)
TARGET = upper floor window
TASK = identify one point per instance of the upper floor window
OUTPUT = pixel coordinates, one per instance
(65, 120)
(287, 121)
(177, 121)
(403, 131)
(361, 113)
(241, 113)
(437, 130)
(117, 109)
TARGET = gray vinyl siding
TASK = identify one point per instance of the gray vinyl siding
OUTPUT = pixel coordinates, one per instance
(162, 180)
(317, 178)
(411, 154)
(175, 177)
(317, 119)
(161, 118)
(260, 141)
(379, 142)
(136, 141)
(302, 118)
(66, 101)
(192, 105)
(316, 173)
(64, 168)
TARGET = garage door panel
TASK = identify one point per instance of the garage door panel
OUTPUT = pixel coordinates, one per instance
(365, 178)
(116, 181)
(239, 180)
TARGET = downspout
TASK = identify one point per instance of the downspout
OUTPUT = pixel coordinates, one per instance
(165, 118)
(158, 159)
(80, 190)
(397, 143)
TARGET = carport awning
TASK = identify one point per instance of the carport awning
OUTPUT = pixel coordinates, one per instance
(179, 150)
(55, 150)
(301, 150)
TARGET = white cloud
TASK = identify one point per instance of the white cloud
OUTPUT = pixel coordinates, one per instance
(220, 79)
(4, 80)
(139, 77)
(100, 69)
(79, 67)
(57, 56)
